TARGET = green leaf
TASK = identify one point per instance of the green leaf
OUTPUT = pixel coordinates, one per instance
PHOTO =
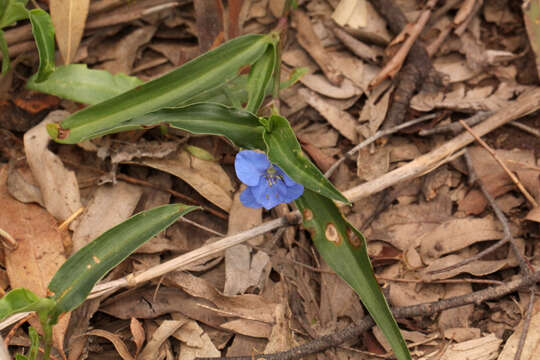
(43, 31)
(344, 249)
(23, 300)
(284, 150)
(14, 11)
(75, 279)
(79, 83)
(175, 88)
(259, 79)
(239, 126)
(5, 53)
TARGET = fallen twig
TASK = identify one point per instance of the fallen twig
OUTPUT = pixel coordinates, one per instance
(525, 104)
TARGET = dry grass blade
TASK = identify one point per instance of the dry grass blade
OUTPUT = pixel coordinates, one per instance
(69, 17)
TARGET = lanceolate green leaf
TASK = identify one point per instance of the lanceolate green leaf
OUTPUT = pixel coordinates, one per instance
(23, 300)
(344, 249)
(75, 279)
(239, 126)
(259, 78)
(43, 31)
(79, 83)
(177, 87)
(284, 150)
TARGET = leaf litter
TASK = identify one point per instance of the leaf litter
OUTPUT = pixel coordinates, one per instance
(273, 293)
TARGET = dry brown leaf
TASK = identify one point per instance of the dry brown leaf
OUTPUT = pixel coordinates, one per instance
(120, 56)
(243, 345)
(206, 177)
(403, 225)
(78, 326)
(137, 331)
(21, 184)
(462, 334)
(456, 317)
(375, 29)
(372, 165)
(351, 13)
(338, 300)
(40, 248)
(375, 108)
(195, 342)
(119, 345)
(531, 349)
(248, 306)
(238, 258)
(319, 134)
(312, 44)
(353, 69)
(463, 232)
(165, 330)
(281, 338)
(318, 83)
(340, 120)
(249, 328)
(484, 348)
(477, 268)
(68, 18)
(110, 205)
(58, 185)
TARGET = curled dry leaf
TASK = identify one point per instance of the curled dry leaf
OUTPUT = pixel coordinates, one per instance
(320, 84)
(484, 348)
(530, 348)
(119, 345)
(58, 185)
(138, 334)
(207, 177)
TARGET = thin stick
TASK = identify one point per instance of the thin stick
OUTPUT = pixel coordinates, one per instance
(425, 309)
(526, 128)
(502, 164)
(379, 134)
(526, 323)
(455, 127)
(525, 104)
(9, 242)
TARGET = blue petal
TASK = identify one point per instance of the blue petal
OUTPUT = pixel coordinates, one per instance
(293, 193)
(269, 196)
(246, 197)
(286, 178)
(250, 166)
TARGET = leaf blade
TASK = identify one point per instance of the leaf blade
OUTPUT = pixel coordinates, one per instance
(43, 31)
(69, 18)
(75, 279)
(201, 74)
(344, 249)
(284, 150)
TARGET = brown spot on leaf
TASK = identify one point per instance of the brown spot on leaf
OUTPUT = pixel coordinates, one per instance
(308, 214)
(332, 234)
(354, 239)
(96, 259)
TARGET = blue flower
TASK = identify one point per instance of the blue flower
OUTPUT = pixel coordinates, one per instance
(268, 185)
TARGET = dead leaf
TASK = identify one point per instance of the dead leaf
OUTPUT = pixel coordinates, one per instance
(119, 345)
(249, 328)
(463, 233)
(484, 348)
(312, 44)
(138, 334)
(40, 248)
(165, 330)
(206, 177)
(68, 18)
(340, 120)
(458, 317)
(195, 341)
(110, 205)
(375, 29)
(318, 83)
(351, 13)
(532, 345)
(58, 185)
(372, 165)
(21, 184)
(248, 306)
